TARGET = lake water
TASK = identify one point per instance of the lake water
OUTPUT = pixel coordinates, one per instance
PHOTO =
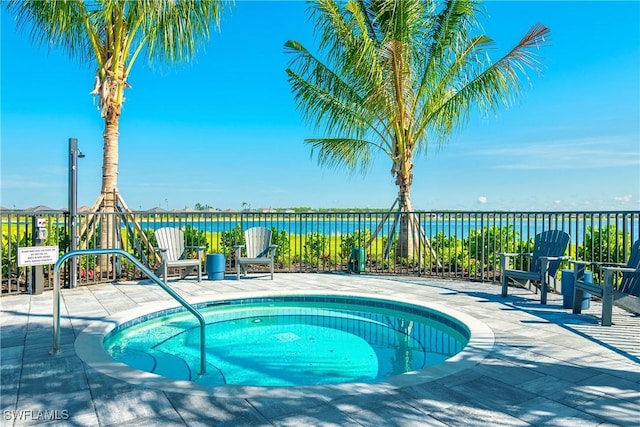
(458, 228)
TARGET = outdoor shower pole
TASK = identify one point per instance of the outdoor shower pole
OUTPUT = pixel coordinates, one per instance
(74, 154)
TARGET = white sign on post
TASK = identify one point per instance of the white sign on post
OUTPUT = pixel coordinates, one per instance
(37, 255)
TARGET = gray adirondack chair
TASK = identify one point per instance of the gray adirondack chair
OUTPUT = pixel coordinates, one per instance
(548, 251)
(172, 250)
(627, 293)
(258, 250)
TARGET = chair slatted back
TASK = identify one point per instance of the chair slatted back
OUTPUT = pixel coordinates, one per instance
(257, 241)
(171, 239)
(549, 243)
(631, 281)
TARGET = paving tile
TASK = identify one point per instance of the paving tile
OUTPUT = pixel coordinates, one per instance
(135, 406)
(470, 415)
(272, 406)
(617, 411)
(507, 372)
(432, 397)
(547, 367)
(72, 407)
(545, 385)
(545, 412)
(392, 413)
(207, 411)
(11, 356)
(319, 416)
(613, 386)
(493, 394)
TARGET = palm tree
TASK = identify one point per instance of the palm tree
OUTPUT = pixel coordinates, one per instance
(393, 75)
(112, 34)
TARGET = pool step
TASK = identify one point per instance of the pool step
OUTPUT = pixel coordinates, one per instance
(157, 362)
(171, 366)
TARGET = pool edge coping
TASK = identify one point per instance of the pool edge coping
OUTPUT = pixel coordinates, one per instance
(89, 348)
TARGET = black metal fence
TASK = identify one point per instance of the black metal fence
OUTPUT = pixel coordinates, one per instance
(456, 245)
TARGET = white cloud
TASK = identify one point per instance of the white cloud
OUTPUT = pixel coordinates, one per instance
(623, 199)
(482, 200)
(596, 152)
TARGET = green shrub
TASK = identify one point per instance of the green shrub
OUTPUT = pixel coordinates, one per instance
(315, 246)
(485, 245)
(604, 245)
(280, 238)
(229, 239)
(10, 246)
(194, 237)
(349, 241)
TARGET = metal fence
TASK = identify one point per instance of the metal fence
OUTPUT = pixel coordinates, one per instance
(459, 245)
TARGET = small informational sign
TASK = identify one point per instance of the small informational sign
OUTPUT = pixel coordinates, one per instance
(37, 255)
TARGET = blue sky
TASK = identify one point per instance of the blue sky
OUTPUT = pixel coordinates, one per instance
(224, 131)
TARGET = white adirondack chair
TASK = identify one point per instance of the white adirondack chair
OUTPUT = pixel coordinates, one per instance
(548, 251)
(172, 250)
(258, 250)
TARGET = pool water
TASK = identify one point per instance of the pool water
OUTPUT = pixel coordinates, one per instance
(280, 342)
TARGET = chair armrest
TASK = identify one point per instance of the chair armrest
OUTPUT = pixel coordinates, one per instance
(238, 249)
(611, 267)
(200, 250)
(510, 254)
(608, 273)
(545, 260)
(163, 253)
(577, 262)
(621, 269)
(602, 264)
(504, 258)
(272, 250)
(557, 258)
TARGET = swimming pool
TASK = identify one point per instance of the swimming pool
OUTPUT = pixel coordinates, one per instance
(287, 340)
(290, 341)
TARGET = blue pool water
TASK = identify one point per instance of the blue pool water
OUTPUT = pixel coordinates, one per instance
(288, 341)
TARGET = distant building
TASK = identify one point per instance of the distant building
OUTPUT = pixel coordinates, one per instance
(157, 209)
(40, 208)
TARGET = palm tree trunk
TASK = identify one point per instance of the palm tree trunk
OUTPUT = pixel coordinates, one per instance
(409, 238)
(108, 225)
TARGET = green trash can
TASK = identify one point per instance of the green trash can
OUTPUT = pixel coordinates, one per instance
(357, 260)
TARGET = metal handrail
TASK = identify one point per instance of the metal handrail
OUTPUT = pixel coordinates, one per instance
(145, 270)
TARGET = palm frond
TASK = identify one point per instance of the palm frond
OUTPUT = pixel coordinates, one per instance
(496, 86)
(397, 72)
(175, 30)
(346, 153)
(55, 24)
(326, 99)
(326, 111)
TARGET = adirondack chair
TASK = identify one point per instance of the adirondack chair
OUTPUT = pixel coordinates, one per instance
(626, 295)
(172, 250)
(258, 249)
(548, 251)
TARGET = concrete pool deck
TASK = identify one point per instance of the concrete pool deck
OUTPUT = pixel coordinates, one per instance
(547, 366)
